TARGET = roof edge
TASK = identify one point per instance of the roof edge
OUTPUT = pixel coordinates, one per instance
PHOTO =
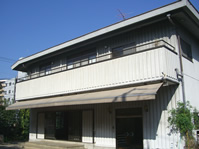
(109, 28)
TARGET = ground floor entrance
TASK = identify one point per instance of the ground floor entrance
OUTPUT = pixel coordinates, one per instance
(64, 125)
(122, 125)
(129, 129)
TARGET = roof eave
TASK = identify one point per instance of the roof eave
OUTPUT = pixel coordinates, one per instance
(108, 29)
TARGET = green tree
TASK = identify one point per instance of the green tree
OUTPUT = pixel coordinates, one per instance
(7, 123)
(14, 124)
(183, 120)
(23, 118)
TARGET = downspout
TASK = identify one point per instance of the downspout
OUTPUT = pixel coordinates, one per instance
(180, 74)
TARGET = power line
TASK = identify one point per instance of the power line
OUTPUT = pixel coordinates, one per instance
(8, 60)
(191, 77)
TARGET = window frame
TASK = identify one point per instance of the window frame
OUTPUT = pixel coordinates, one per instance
(81, 59)
(123, 49)
(186, 49)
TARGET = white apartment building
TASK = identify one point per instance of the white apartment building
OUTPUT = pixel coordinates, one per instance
(8, 89)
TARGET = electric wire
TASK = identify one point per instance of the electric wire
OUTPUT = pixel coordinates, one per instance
(6, 59)
(191, 77)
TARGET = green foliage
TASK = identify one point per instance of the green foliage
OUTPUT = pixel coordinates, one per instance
(23, 118)
(196, 118)
(184, 120)
(14, 125)
(181, 119)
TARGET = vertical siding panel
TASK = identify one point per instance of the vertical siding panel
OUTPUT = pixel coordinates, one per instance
(87, 126)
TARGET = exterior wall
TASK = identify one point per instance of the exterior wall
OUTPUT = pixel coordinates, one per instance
(40, 125)
(156, 133)
(87, 126)
(33, 125)
(191, 70)
(9, 89)
(139, 67)
(144, 66)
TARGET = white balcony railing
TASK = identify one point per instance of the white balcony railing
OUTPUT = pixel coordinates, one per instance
(91, 60)
(149, 62)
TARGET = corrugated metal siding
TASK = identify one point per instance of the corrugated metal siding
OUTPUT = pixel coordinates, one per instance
(156, 132)
(40, 125)
(33, 124)
(87, 126)
(156, 127)
(122, 71)
(126, 70)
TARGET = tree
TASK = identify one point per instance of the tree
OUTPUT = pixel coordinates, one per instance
(14, 124)
(183, 120)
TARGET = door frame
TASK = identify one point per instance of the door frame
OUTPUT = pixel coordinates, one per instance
(129, 117)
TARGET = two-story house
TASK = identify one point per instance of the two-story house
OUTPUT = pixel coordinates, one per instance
(114, 87)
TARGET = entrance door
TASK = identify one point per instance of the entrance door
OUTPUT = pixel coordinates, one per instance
(129, 130)
(65, 125)
(50, 125)
(74, 119)
(61, 126)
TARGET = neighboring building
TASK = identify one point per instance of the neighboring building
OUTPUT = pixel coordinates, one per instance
(114, 87)
(8, 89)
(2, 85)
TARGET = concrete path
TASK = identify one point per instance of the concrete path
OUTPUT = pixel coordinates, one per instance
(10, 146)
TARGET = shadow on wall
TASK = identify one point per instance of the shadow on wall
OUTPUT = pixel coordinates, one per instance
(156, 118)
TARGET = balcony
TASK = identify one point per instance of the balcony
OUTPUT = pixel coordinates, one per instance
(132, 65)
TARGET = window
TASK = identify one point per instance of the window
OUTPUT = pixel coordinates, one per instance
(9, 91)
(70, 64)
(92, 58)
(124, 50)
(45, 68)
(10, 84)
(186, 49)
(81, 59)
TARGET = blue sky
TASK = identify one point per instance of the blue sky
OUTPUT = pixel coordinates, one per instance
(29, 26)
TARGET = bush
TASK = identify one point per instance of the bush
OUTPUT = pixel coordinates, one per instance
(183, 120)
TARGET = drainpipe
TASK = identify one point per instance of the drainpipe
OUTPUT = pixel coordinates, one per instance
(180, 74)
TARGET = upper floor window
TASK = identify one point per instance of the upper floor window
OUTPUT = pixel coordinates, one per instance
(45, 68)
(10, 84)
(81, 59)
(186, 49)
(123, 50)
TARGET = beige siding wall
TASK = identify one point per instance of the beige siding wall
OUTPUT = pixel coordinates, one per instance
(144, 66)
(87, 126)
(33, 125)
(139, 67)
(191, 69)
(40, 125)
(159, 31)
(156, 132)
